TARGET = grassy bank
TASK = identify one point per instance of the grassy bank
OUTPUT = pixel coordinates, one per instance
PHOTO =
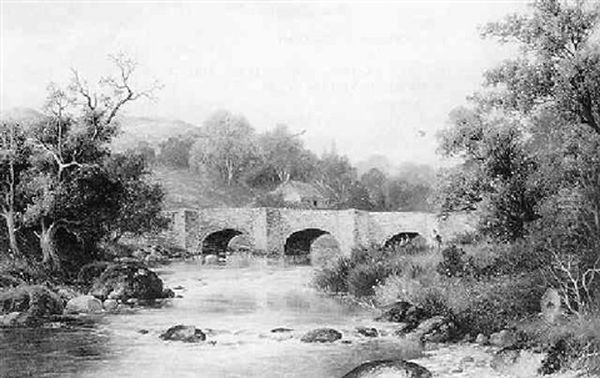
(484, 287)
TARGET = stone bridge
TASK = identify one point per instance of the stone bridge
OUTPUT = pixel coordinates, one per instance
(287, 231)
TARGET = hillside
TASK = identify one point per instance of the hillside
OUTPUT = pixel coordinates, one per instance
(186, 190)
(149, 130)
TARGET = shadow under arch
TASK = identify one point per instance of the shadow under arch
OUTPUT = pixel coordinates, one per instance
(216, 243)
(401, 239)
(298, 244)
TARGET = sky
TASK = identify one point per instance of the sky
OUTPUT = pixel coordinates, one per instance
(375, 77)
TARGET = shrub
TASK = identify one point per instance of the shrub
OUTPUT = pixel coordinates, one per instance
(334, 279)
(363, 278)
(453, 262)
(492, 304)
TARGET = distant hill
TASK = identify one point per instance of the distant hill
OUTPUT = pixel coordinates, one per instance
(150, 130)
(20, 115)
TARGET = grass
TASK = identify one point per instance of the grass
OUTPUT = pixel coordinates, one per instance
(186, 189)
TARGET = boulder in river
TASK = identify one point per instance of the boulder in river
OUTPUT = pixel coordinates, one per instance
(367, 331)
(84, 304)
(211, 259)
(321, 335)
(127, 280)
(503, 339)
(34, 300)
(438, 329)
(281, 330)
(188, 334)
(403, 312)
(389, 368)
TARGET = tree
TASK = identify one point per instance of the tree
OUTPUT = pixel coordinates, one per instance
(559, 61)
(495, 171)
(227, 147)
(336, 178)
(376, 184)
(175, 151)
(284, 156)
(139, 200)
(13, 161)
(67, 188)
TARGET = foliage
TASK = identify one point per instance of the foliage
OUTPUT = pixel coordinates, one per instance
(68, 191)
(175, 151)
(284, 157)
(140, 202)
(226, 148)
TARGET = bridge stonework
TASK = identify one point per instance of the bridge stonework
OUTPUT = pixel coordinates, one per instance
(268, 229)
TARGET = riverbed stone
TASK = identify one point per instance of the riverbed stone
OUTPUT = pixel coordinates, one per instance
(84, 304)
(281, 330)
(503, 339)
(211, 259)
(367, 331)
(321, 335)
(34, 300)
(481, 339)
(110, 305)
(438, 329)
(185, 333)
(403, 329)
(389, 368)
(516, 362)
(127, 280)
(403, 312)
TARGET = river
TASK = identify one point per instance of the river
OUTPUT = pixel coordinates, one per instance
(235, 307)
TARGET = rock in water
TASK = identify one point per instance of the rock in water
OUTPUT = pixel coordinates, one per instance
(110, 305)
(281, 330)
(84, 304)
(437, 329)
(127, 280)
(403, 312)
(321, 335)
(211, 259)
(389, 368)
(503, 339)
(188, 334)
(37, 301)
(367, 331)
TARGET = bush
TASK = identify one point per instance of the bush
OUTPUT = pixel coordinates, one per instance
(334, 279)
(363, 278)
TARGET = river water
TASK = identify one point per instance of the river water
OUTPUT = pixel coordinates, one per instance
(235, 307)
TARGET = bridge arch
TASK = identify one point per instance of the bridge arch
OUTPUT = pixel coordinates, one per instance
(401, 239)
(298, 244)
(216, 242)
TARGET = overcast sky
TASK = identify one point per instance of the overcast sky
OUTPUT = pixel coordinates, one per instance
(378, 78)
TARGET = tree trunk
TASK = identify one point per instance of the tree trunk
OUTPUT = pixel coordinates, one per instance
(12, 232)
(48, 246)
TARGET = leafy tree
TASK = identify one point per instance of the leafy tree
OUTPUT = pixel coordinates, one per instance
(376, 184)
(284, 156)
(336, 178)
(175, 151)
(139, 200)
(67, 188)
(227, 148)
(495, 173)
(559, 61)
